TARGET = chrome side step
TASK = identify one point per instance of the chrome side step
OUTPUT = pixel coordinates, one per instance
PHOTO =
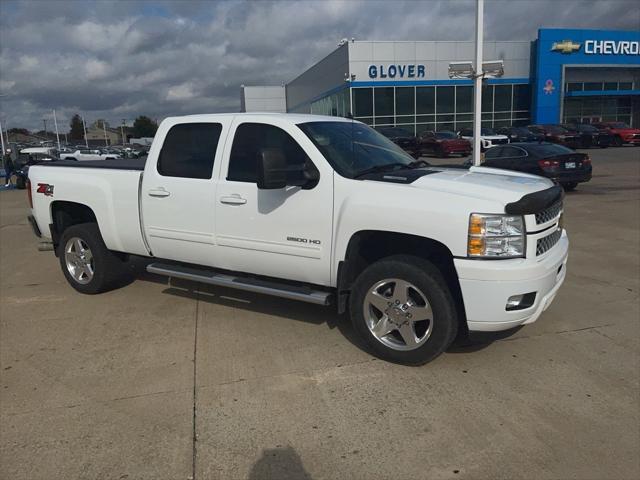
(292, 292)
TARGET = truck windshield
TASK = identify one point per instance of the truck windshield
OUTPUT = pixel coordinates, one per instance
(353, 147)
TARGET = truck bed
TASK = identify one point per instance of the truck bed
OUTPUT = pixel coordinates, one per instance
(120, 164)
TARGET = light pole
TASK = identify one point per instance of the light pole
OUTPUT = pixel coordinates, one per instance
(122, 130)
(478, 71)
(55, 122)
(84, 127)
(477, 83)
(1, 137)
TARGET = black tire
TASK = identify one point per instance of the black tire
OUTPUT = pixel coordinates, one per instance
(108, 268)
(569, 186)
(617, 142)
(440, 153)
(428, 279)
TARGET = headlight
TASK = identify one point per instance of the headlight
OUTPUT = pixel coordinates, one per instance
(496, 236)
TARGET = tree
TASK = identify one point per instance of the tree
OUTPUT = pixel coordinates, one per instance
(77, 130)
(143, 126)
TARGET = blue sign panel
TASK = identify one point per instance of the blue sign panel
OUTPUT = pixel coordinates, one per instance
(556, 48)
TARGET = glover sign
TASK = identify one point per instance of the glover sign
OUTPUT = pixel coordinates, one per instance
(396, 71)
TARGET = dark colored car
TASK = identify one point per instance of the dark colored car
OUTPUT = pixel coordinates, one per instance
(443, 144)
(403, 138)
(590, 136)
(520, 134)
(559, 163)
(621, 133)
(557, 134)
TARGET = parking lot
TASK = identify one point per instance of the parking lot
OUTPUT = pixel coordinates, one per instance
(171, 381)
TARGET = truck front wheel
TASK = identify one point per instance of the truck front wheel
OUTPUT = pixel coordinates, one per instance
(401, 306)
(87, 264)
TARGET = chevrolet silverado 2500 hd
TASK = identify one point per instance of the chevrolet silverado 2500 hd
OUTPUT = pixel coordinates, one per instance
(319, 209)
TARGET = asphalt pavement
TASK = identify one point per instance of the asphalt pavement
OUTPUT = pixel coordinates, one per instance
(171, 381)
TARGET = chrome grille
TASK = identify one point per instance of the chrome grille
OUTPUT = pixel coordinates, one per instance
(546, 243)
(549, 214)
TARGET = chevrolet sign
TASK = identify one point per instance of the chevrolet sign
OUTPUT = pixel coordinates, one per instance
(565, 46)
(610, 47)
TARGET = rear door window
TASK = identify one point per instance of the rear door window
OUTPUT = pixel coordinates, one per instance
(189, 150)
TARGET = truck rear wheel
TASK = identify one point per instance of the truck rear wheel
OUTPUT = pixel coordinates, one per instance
(87, 264)
(402, 308)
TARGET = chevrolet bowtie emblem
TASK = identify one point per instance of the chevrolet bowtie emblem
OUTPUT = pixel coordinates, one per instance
(565, 46)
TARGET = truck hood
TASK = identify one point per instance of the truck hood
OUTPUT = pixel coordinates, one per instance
(483, 183)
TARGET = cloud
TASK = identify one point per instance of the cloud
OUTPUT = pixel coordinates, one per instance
(180, 57)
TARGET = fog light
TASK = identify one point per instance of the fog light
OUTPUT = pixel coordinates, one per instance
(520, 302)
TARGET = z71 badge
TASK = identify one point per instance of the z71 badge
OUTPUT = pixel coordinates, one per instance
(46, 189)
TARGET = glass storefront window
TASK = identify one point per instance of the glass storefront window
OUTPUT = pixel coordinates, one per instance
(574, 87)
(592, 86)
(363, 102)
(521, 97)
(383, 101)
(464, 99)
(425, 100)
(405, 100)
(625, 86)
(487, 98)
(445, 99)
(502, 101)
(611, 85)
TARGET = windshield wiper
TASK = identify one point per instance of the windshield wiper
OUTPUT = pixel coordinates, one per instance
(380, 168)
(418, 164)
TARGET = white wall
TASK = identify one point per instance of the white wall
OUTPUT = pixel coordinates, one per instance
(263, 99)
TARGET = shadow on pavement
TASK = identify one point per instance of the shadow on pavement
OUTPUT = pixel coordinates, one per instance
(279, 463)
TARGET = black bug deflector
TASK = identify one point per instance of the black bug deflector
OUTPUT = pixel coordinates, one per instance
(535, 202)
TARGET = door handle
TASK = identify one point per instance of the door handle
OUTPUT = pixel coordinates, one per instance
(159, 192)
(234, 199)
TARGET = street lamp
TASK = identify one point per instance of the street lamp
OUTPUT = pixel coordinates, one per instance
(491, 69)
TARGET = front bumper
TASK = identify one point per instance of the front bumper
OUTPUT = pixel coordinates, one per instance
(487, 285)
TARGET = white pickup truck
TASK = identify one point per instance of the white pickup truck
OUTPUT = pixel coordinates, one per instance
(88, 155)
(319, 209)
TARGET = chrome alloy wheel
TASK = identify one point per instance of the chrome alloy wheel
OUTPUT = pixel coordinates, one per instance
(398, 314)
(79, 260)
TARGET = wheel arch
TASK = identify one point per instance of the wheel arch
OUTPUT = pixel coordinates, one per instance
(65, 214)
(368, 246)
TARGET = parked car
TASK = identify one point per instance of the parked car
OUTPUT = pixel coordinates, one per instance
(488, 137)
(443, 143)
(88, 155)
(520, 134)
(621, 133)
(403, 138)
(590, 136)
(556, 162)
(557, 134)
(318, 209)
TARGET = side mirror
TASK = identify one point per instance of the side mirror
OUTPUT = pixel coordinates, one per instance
(272, 169)
(274, 173)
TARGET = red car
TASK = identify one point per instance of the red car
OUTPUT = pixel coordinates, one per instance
(557, 134)
(621, 132)
(443, 143)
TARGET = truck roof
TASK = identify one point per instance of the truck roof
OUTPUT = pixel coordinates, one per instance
(292, 117)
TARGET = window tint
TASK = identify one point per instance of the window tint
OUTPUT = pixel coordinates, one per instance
(493, 152)
(250, 139)
(189, 150)
(511, 152)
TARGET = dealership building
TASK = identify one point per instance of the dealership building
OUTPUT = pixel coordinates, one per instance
(562, 76)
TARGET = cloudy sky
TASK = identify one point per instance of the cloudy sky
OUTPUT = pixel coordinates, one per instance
(117, 60)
